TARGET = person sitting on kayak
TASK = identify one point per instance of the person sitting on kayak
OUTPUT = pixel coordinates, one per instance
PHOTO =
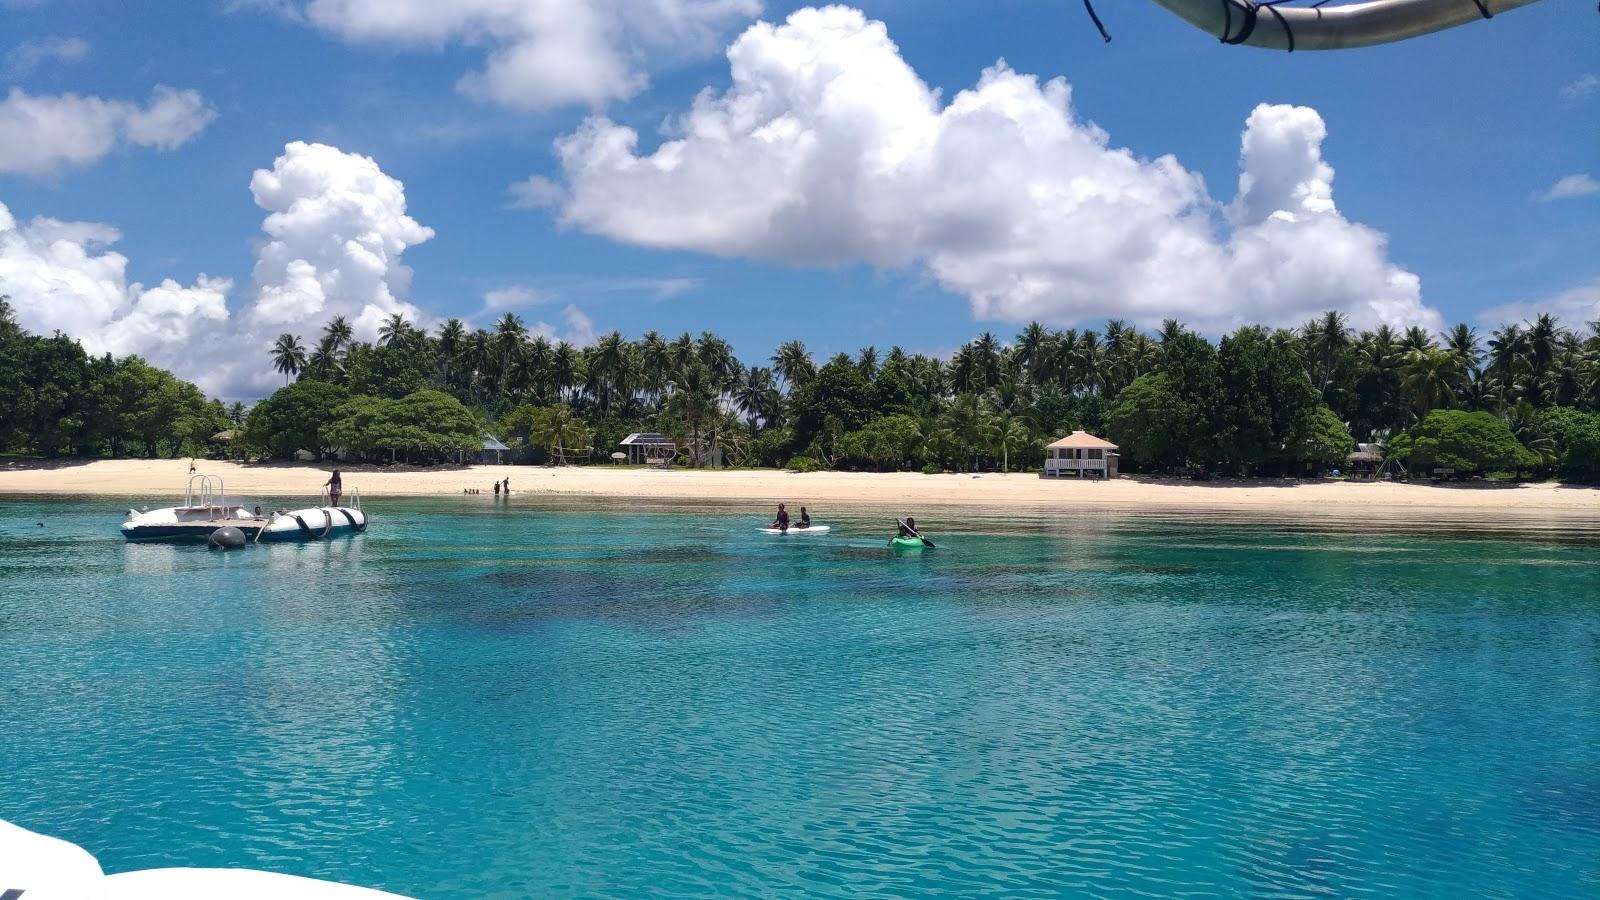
(805, 518)
(908, 528)
(782, 522)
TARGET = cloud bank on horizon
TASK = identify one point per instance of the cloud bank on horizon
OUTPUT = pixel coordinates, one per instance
(828, 149)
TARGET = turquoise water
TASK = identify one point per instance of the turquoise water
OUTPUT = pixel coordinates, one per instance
(476, 700)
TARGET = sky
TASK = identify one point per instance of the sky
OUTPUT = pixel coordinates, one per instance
(187, 180)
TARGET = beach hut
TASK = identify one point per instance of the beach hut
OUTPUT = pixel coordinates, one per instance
(492, 444)
(1081, 453)
(1365, 461)
(649, 447)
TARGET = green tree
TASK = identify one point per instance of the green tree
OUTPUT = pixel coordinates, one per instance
(1151, 423)
(1464, 441)
(1266, 399)
(288, 355)
(838, 392)
(295, 417)
(388, 372)
(1326, 441)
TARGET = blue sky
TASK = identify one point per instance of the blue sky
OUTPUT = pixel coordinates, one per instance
(1443, 145)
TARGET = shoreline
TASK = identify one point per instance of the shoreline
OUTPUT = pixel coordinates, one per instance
(164, 480)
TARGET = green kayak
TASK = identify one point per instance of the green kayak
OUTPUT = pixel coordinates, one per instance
(907, 543)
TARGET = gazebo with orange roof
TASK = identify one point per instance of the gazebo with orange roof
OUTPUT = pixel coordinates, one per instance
(1081, 453)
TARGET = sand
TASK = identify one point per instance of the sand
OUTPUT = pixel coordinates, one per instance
(153, 481)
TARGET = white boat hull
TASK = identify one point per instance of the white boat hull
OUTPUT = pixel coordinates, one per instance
(179, 524)
(793, 530)
(314, 524)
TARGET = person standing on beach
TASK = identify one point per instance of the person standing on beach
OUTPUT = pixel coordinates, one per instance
(335, 487)
(497, 488)
(507, 486)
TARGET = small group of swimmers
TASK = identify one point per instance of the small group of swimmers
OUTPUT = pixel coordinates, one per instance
(500, 487)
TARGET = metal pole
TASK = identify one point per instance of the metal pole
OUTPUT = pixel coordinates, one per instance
(1331, 27)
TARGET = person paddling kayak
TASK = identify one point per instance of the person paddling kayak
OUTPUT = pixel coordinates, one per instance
(782, 521)
(908, 535)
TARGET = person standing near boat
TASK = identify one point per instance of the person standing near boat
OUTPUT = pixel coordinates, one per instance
(335, 487)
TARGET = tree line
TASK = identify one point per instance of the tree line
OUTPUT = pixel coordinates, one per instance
(1520, 400)
(1523, 399)
(57, 400)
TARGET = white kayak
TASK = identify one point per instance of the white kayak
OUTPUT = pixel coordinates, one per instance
(814, 529)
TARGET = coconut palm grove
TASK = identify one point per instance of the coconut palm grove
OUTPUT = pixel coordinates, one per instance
(1519, 401)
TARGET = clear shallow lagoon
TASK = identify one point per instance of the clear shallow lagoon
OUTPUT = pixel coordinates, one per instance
(482, 700)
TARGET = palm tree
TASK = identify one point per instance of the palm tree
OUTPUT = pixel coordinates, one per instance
(1010, 433)
(1544, 339)
(793, 364)
(867, 361)
(395, 331)
(965, 373)
(1508, 353)
(693, 403)
(1461, 342)
(509, 334)
(757, 397)
(608, 366)
(655, 364)
(452, 337)
(566, 368)
(1429, 378)
(1089, 363)
(1326, 340)
(715, 354)
(325, 359)
(288, 355)
(339, 332)
(1030, 349)
(557, 428)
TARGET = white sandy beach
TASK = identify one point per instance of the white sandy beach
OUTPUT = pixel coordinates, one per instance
(163, 480)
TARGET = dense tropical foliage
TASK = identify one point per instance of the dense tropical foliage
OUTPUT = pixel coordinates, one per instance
(1258, 400)
(57, 400)
(1524, 399)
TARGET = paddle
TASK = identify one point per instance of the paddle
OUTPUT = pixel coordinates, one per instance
(914, 533)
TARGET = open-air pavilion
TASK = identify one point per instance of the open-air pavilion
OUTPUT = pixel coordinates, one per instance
(1081, 453)
(649, 447)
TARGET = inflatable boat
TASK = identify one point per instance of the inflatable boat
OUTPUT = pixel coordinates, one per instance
(313, 524)
(205, 510)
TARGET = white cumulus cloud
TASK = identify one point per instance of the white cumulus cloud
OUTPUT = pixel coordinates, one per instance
(45, 134)
(336, 228)
(63, 276)
(1570, 188)
(828, 149)
(540, 53)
